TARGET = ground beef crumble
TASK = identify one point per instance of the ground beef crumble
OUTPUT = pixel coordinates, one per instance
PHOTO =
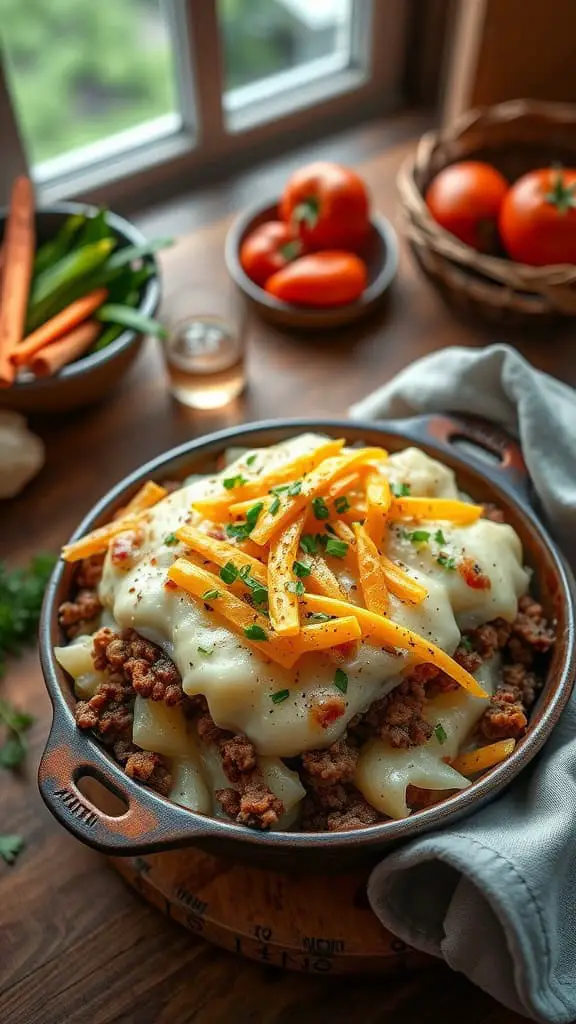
(332, 802)
(251, 802)
(132, 666)
(398, 717)
(77, 616)
(523, 644)
(144, 665)
(493, 512)
(89, 572)
(74, 615)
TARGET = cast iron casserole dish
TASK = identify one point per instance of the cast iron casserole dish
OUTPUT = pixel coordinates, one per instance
(153, 823)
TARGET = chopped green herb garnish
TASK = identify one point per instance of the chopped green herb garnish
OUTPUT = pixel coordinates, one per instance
(446, 562)
(400, 490)
(10, 847)
(341, 504)
(253, 513)
(15, 720)
(259, 592)
(301, 569)
(279, 696)
(234, 481)
(290, 489)
(210, 595)
(274, 506)
(295, 587)
(251, 460)
(419, 536)
(229, 573)
(320, 508)
(439, 537)
(204, 650)
(440, 733)
(13, 749)
(309, 544)
(320, 617)
(242, 530)
(170, 539)
(238, 530)
(337, 548)
(341, 680)
(466, 643)
(21, 593)
(255, 632)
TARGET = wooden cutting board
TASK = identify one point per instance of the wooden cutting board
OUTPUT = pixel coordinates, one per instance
(317, 924)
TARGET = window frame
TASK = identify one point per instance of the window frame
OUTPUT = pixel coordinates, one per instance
(212, 136)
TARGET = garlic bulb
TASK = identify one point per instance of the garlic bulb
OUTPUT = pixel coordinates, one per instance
(21, 454)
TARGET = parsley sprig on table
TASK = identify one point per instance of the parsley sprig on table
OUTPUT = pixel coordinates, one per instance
(21, 593)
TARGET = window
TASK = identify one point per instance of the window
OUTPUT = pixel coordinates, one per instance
(104, 99)
(262, 39)
(106, 69)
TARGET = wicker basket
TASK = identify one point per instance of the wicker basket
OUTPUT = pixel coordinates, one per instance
(515, 137)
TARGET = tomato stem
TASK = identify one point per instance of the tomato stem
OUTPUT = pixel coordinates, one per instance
(562, 196)
(308, 211)
(291, 250)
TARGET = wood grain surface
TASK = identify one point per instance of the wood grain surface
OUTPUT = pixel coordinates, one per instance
(76, 944)
(290, 921)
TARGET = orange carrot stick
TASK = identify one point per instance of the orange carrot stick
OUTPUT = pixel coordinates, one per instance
(19, 243)
(65, 349)
(59, 325)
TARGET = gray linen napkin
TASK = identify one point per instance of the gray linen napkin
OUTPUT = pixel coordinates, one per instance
(495, 895)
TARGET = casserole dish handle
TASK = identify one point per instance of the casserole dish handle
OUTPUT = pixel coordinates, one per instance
(145, 823)
(485, 445)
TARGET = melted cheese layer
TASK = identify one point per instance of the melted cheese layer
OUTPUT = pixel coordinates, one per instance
(237, 681)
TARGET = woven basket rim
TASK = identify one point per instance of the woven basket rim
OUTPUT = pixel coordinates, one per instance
(549, 281)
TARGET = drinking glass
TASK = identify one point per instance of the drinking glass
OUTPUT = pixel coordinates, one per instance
(205, 350)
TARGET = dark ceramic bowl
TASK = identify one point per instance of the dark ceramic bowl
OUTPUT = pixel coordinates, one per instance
(380, 254)
(88, 379)
(153, 823)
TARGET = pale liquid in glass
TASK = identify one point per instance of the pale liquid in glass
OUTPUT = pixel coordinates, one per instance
(205, 360)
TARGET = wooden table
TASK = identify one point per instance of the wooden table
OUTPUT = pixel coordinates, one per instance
(75, 943)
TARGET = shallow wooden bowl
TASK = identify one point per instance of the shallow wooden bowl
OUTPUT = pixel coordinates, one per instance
(380, 255)
(152, 823)
(88, 379)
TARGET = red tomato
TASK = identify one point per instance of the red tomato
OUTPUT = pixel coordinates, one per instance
(320, 279)
(465, 199)
(328, 205)
(538, 218)
(267, 249)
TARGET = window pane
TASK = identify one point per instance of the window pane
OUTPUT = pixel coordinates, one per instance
(263, 38)
(80, 73)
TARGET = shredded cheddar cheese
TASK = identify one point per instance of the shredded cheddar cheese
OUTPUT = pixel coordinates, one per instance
(216, 509)
(484, 757)
(372, 576)
(376, 629)
(282, 583)
(221, 552)
(378, 500)
(255, 628)
(312, 486)
(449, 509)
